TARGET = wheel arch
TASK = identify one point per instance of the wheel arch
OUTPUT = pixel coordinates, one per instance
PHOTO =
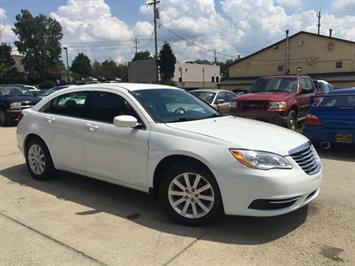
(29, 137)
(167, 162)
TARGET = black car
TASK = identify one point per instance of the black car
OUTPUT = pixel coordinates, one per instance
(13, 99)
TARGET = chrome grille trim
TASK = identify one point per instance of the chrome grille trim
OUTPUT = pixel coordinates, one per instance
(307, 158)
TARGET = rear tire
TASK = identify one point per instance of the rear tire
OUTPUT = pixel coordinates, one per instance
(38, 160)
(190, 195)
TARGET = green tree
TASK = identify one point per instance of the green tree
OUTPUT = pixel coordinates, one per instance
(81, 65)
(167, 61)
(225, 67)
(122, 72)
(142, 55)
(39, 41)
(7, 63)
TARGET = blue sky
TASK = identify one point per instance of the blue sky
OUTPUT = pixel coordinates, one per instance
(106, 28)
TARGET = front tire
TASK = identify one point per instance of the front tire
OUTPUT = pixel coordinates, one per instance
(38, 160)
(3, 118)
(292, 120)
(190, 194)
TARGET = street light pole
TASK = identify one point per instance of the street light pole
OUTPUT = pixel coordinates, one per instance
(66, 54)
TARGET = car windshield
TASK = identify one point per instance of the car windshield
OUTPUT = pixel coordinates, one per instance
(207, 96)
(337, 101)
(173, 105)
(275, 84)
(14, 91)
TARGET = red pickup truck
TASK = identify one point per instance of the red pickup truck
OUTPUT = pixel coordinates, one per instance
(281, 100)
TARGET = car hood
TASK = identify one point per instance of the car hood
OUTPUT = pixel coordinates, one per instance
(245, 133)
(266, 96)
(13, 99)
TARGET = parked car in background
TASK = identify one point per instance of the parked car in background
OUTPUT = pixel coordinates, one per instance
(14, 99)
(332, 119)
(322, 87)
(45, 93)
(281, 100)
(164, 141)
(219, 99)
(31, 88)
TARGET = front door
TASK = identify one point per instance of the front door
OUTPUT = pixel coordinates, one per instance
(114, 154)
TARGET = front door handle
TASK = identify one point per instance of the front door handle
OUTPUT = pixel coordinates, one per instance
(91, 127)
(50, 119)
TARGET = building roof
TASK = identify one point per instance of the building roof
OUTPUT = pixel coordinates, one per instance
(290, 37)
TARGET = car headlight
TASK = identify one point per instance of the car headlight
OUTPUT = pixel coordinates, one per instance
(278, 105)
(15, 105)
(260, 159)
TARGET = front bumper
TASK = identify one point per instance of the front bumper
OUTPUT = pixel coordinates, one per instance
(12, 115)
(277, 118)
(241, 187)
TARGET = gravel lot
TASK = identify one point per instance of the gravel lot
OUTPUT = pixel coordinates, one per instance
(74, 220)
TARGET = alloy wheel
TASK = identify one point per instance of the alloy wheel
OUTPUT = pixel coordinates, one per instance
(36, 159)
(191, 195)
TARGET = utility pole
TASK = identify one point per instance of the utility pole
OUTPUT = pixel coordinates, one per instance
(319, 17)
(66, 54)
(136, 45)
(156, 17)
(215, 56)
(286, 54)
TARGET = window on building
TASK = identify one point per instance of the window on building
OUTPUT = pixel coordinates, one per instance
(339, 64)
(212, 79)
(217, 79)
(180, 79)
(280, 68)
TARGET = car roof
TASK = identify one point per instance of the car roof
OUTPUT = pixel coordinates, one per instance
(211, 90)
(126, 86)
(343, 91)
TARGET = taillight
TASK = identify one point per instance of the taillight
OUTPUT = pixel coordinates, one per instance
(20, 116)
(312, 120)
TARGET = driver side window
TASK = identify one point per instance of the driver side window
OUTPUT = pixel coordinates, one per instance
(106, 106)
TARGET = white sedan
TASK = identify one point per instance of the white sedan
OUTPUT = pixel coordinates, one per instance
(164, 141)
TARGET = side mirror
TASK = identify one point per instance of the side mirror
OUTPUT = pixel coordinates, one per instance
(125, 121)
(219, 101)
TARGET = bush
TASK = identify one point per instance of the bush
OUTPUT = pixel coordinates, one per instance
(168, 82)
(46, 84)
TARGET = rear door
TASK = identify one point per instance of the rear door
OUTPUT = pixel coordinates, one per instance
(337, 112)
(64, 119)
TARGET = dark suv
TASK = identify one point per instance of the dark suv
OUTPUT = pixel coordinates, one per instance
(13, 99)
(281, 100)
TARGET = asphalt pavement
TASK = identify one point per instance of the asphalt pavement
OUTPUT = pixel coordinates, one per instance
(73, 220)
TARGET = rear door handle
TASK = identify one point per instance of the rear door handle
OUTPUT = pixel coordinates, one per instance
(50, 119)
(91, 127)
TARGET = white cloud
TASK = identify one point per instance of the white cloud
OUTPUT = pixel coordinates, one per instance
(6, 33)
(338, 5)
(91, 23)
(289, 3)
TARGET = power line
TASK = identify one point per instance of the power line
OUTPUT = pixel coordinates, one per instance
(193, 43)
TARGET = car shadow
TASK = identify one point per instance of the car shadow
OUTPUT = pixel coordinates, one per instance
(339, 152)
(144, 210)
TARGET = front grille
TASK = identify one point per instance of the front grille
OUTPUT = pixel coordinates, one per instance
(252, 105)
(307, 159)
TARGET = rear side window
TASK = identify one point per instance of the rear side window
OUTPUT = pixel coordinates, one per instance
(338, 101)
(73, 104)
(106, 106)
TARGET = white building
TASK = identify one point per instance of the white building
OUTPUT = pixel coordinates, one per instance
(190, 75)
